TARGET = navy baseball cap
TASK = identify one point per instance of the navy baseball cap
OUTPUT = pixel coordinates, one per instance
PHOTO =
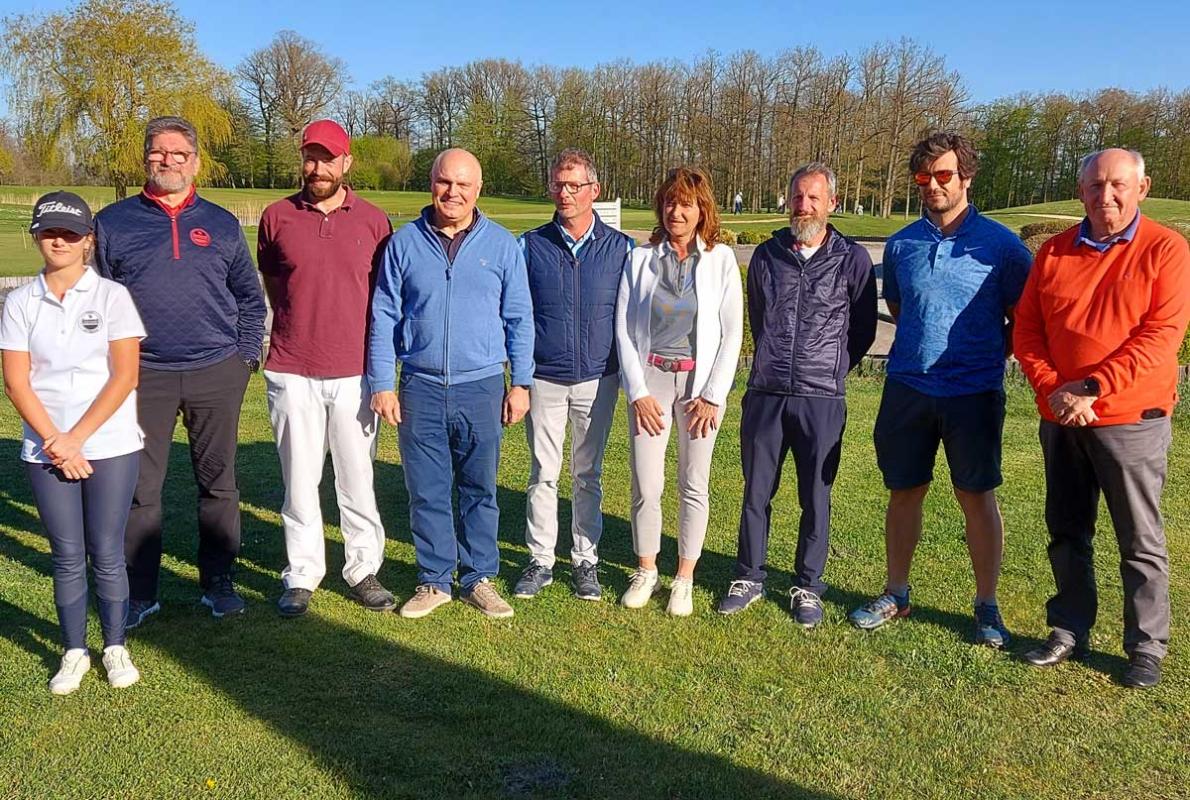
(64, 210)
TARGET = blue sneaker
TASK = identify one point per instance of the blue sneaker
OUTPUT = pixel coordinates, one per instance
(740, 595)
(806, 607)
(222, 598)
(138, 610)
(532, 580)
(879, 611)
(989, 626)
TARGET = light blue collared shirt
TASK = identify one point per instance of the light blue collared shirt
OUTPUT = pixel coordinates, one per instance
(576, 244)
(1126, 235)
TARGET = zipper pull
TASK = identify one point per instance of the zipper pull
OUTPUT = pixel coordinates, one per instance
(448, 269)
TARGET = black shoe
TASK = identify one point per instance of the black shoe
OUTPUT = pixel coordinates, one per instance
(584, 580)
(372, 596)
(221, 597)
(1055, 651)
(294, 602)
(1144, 671)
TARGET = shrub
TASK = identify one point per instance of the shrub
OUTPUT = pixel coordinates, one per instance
(727, 236)
(751, 237)
(747, 347)
(1048, 228)
(1035, 242)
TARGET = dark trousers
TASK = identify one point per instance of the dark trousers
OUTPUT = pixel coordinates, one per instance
(450, 446)
(772, 426)
(86, 518)
(1128, 464)
(209, 400)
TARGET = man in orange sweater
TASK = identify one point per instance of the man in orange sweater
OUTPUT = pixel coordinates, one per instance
(1097, 334)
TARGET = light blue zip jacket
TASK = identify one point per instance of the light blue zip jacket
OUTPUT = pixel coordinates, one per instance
(451, 323)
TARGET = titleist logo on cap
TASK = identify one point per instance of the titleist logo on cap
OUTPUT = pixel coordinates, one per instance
(55, 207)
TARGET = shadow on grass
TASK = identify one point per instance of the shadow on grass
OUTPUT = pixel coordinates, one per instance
(382, 718)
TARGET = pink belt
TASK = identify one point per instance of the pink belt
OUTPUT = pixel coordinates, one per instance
(671, 364)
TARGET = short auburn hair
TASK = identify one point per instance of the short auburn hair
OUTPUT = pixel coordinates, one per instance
(931, 148)
(686, 185)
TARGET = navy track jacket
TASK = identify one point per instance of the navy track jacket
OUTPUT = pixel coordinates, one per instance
(192, 278)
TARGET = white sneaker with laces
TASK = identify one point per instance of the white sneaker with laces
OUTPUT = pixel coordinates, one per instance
(681, 601)
(641, 586)
(75, 664)
(120, 671)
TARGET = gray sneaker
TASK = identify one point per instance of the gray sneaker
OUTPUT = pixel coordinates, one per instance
(533, 580)
(740, 595)
(584, 580)
(485, 597)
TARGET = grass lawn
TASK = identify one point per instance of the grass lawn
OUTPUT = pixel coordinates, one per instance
(584, 700)
(19, 257)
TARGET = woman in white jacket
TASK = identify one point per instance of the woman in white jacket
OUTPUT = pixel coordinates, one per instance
(679, 325)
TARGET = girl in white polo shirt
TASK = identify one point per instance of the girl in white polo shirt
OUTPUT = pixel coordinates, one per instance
(71, 347)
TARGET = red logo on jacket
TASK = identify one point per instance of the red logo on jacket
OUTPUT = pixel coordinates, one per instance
(200, 237)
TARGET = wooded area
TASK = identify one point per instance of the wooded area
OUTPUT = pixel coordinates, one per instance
(748, 119)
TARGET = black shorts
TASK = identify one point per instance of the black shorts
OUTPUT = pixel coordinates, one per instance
(910, 424)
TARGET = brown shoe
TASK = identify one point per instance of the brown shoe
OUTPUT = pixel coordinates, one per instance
(425, 599)
(485, 597)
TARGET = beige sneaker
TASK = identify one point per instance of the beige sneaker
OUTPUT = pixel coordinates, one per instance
(641, 586)
(485, 597)
(425, 599)
(681, 602)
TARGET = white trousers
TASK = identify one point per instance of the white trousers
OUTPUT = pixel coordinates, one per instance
(647, 457)
(311, 416)
(588, 409)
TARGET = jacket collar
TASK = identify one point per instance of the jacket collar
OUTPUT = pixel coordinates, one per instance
(154, 200)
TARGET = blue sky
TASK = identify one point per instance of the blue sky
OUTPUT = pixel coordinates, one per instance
(1000, 48)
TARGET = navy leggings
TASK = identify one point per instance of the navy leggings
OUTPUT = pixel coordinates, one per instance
(86, 518)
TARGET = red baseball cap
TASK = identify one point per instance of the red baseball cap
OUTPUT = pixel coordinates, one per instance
(329, 134)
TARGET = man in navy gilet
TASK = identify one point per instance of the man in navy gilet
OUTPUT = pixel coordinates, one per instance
(574, 262)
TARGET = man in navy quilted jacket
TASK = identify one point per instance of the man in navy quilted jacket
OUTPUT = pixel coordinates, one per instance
(187, 266)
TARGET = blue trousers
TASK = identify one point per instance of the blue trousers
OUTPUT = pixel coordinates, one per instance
(771, 426)
(86, 519)
(450, 449)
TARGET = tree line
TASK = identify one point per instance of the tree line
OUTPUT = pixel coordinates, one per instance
(83, 81)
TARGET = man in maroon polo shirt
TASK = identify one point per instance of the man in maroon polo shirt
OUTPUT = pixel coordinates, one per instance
(318, 252)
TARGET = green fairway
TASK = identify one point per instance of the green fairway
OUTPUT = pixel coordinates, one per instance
(19, 257)
(589, 700)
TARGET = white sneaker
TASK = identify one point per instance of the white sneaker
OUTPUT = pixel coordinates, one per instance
(120, 671)
(681, 602)
(641, 586)
(75, 665)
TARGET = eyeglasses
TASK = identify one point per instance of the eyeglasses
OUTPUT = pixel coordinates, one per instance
(943, 176)
(172, 156)
(557, 187)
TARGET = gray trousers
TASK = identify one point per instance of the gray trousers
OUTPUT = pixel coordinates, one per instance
(1128, 464)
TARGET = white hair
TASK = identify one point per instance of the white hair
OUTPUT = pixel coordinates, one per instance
(815, 168)
(1085, 163)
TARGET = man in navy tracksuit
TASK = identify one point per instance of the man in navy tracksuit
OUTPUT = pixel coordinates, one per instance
(575, 263)
(185, 262)
(812, 308)
(452, 305)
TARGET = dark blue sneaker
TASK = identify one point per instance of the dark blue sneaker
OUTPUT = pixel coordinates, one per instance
(221, 597)
(533, 580)
(989, 627)
(584, 580)
(879, 611)
(740, 595)
(806, 607)
(138, 611)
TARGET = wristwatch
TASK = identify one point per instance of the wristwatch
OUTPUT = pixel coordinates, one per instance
(1091, 386)
(252, 364)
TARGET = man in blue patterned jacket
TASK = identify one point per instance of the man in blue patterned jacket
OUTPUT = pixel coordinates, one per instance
(187, 266)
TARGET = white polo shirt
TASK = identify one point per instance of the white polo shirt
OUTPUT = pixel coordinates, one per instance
(67, 342)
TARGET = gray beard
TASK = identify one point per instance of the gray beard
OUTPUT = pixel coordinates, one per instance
(807, 229)
(168, 182)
